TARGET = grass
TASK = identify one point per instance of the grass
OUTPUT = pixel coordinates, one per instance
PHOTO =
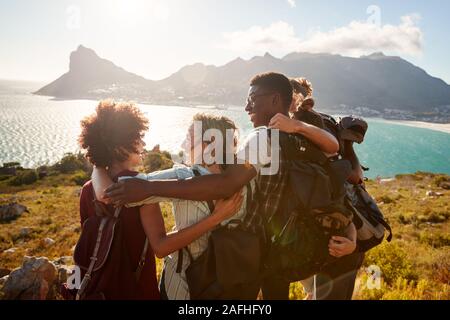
(414, 266)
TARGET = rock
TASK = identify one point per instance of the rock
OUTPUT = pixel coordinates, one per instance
(11, 211)
(32, 281)
(63, 273)
(77, 193)
(10, 250)
(445, 185)
(25, 231)
(3, 280)
(48, 242)
(66, 260)
(434, 194)
(4, 272)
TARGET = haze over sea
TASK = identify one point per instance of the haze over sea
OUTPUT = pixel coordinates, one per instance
(36, 130)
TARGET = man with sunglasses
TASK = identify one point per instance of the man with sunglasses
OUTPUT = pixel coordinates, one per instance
(268, 102)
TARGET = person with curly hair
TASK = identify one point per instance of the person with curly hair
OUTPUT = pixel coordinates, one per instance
(113, 140)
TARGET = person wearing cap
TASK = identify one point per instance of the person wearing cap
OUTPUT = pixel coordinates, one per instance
(337, 281)
(353, 129)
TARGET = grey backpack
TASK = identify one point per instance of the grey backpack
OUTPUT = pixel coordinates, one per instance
(369, 221)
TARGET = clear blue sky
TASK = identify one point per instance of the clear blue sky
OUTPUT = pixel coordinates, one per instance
(154, 38)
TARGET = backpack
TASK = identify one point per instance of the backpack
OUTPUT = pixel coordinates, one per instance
(314, 208)
(98, 254)
(369, 221)
(229, 268)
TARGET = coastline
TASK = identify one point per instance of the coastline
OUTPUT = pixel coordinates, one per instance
(441, 127)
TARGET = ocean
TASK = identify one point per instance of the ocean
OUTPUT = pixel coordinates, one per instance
(37, 130)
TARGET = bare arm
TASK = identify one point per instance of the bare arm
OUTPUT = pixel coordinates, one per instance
(164, 244)
(100, 181)
(323, 139)
(208, 187)
(357, 175)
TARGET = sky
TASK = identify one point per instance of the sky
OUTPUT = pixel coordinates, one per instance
(155, 38)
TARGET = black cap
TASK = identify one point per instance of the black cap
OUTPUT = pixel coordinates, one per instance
(353, 129)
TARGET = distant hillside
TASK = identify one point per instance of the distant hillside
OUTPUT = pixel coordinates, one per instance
(372, 84)
(91, 76)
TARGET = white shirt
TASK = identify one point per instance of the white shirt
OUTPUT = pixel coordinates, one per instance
(261, 149)
(186, 213)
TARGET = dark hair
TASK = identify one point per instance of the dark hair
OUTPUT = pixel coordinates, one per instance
(112, 132)
(277, 82)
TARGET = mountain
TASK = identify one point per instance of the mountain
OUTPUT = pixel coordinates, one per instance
(91, 76)
(378, 83)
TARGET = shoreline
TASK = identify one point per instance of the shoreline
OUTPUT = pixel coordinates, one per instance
(441, 127)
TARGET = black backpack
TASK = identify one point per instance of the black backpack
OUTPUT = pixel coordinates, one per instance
(314, 208)
(369, 221)
(229, 268)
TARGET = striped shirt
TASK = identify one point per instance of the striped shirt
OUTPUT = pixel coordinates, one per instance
(186, 213)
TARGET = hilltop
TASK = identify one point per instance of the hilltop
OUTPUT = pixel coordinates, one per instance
(415, 265)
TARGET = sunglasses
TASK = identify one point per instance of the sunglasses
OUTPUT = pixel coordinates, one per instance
(251, 100)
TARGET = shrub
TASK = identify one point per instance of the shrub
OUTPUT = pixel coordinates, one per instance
(71, 163)
(24, 177)
(435, 240)
(4, 177)
(441, 266)
(80, 178)
(155, 161)
(438, 181)
(12, 165)
(386, 199)
(42, 171)
(393, 261)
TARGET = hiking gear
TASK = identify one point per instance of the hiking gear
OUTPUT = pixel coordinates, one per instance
(229, 265)
(98, 252)
(353, 129)
(369, 221)
(314, 209)
(367, 217)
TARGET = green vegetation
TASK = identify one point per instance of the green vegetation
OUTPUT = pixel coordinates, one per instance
(416, 265)
(24, 177)
(155, 160)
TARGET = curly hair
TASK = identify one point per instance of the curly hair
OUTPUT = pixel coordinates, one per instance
(112, 132)
(303, 92)
(302, 86)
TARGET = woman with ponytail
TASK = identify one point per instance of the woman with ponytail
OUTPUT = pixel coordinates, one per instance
(337, 281)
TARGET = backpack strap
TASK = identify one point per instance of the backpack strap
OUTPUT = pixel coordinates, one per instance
(210, 203)
(388, 228)
(100, 207)
(87, 276)
(211, 208)
(142, 260)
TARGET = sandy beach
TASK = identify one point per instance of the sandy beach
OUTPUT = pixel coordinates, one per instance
(442, 127)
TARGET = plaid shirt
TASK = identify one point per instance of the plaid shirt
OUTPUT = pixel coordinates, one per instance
(267, 199)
